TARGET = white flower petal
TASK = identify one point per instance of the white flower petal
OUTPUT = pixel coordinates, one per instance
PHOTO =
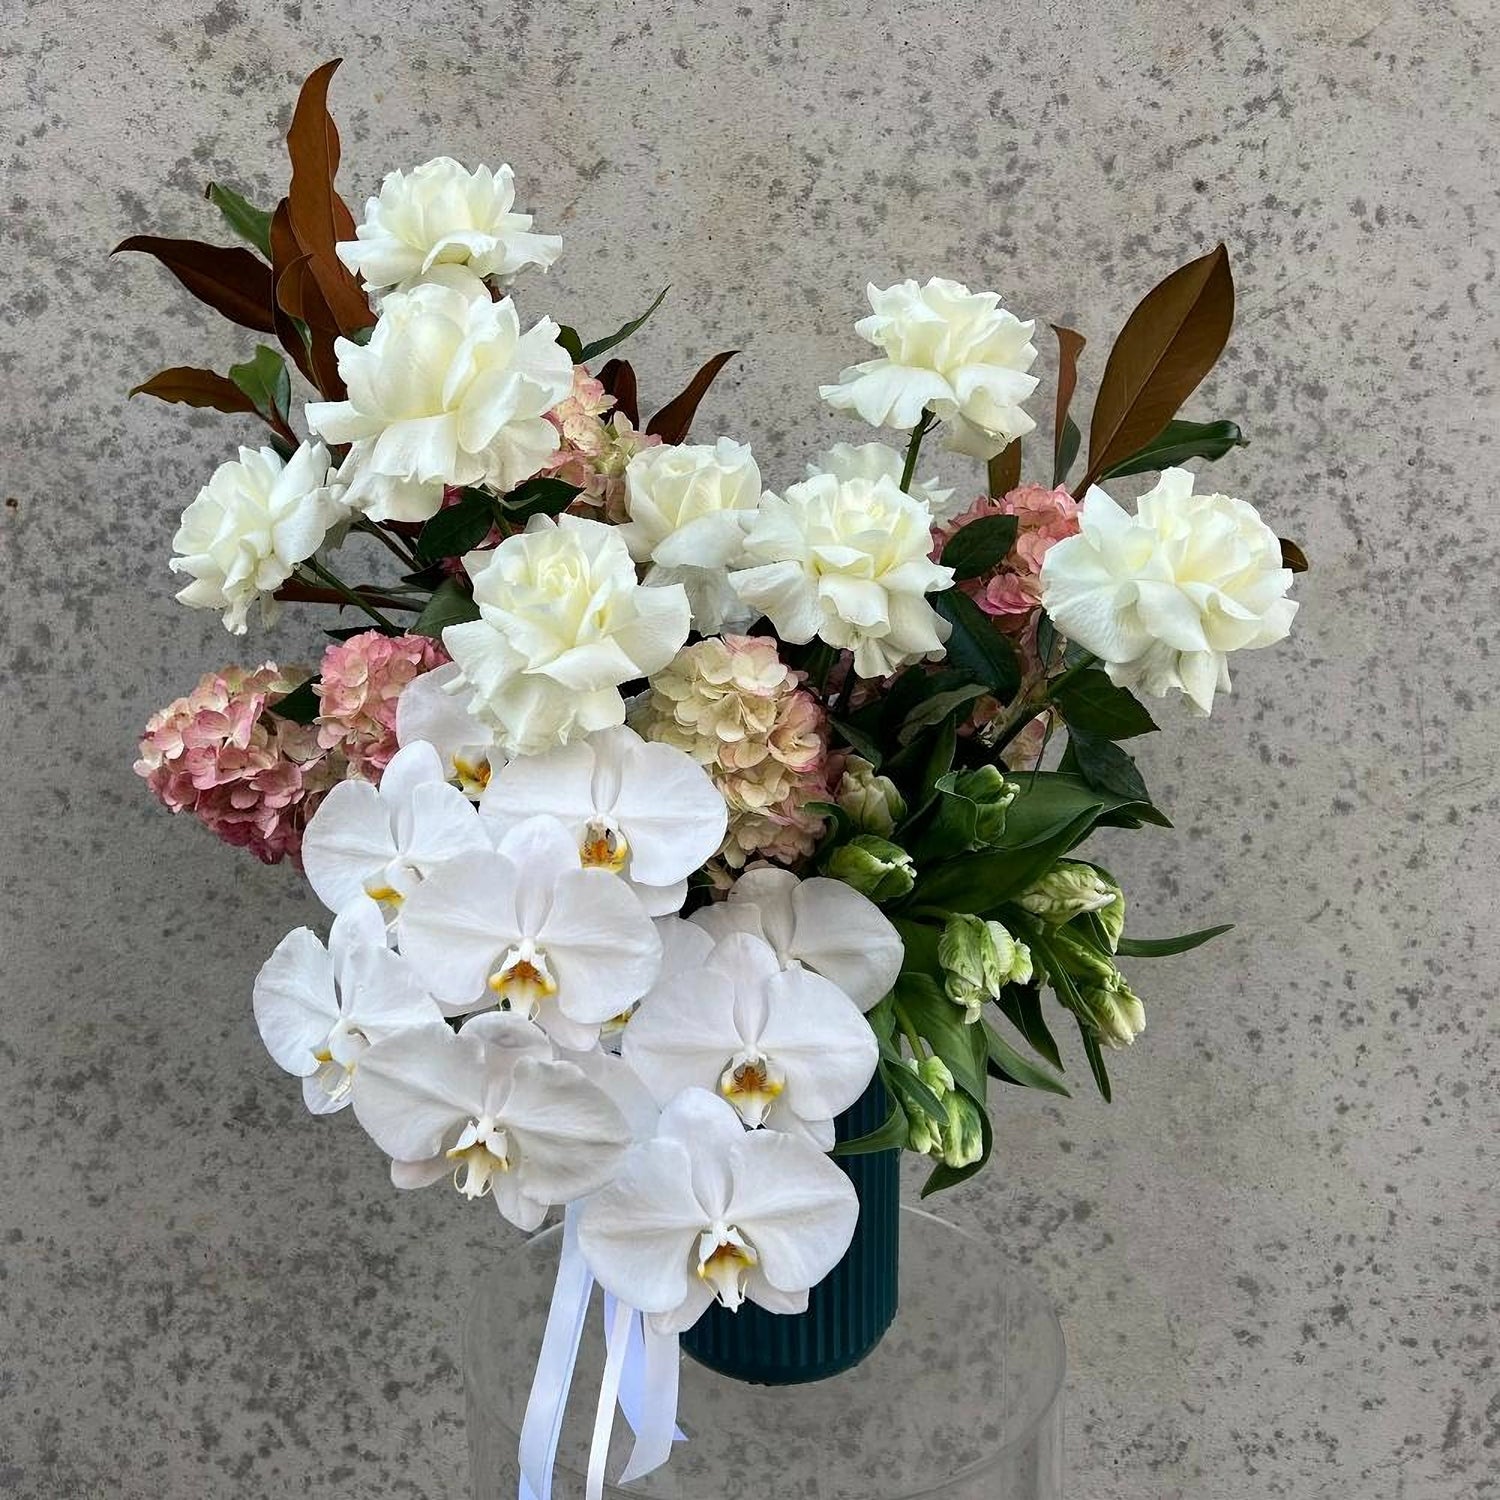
(295, 1002)
(412, 1089)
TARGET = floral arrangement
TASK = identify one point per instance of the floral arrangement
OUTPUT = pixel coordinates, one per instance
(662, 815)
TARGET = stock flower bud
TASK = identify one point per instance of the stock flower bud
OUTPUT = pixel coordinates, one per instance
(963, 1135)
(871, 800)
(874, 867)
(1069, 889)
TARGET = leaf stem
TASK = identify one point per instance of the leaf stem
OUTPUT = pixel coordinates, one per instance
(351, 596)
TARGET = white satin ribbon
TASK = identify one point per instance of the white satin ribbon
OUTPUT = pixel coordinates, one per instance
(618, 1341)
(648, 1392)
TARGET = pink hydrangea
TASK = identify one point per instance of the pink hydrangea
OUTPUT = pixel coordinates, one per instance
(596, 447)
(1012, 591)
(361, 680)
(250, 777)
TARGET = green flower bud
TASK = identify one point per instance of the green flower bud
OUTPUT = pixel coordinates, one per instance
(1114, 1013)
(1081, 959)
(963, 1135)
(923, 1134)
(933, 1071)
(979, 958)
(872, 802)
(1069, 888)
(873, 866)
(1012, 958)
(987, 786)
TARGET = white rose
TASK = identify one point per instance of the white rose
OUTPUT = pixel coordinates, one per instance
(448, 390)
(847, 562)
(1163, 596)
(563, 622)
(947, 349)
(249, 527)
(442, 214)
(880, 460)
(688, 508)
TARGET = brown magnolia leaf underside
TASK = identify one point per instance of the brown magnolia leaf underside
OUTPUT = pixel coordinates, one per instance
(672, 423)
(1004, 469)
(1168, 344)
(1293, 557)
(1070, 344)
(193, 387)
(618, 378)
(232, 281)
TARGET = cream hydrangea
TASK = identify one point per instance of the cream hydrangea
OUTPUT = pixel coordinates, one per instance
(733, 705)
(881, 461)
(448, 390)
(442, 214)
(689, 507)
(847, 562)
(563, 622)
(1163, 597)
(243, 535)
(948, 350)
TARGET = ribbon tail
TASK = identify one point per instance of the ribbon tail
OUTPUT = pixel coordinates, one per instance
(648, 1383)
(618, 1341)
(541, 1427)
(661, 1365)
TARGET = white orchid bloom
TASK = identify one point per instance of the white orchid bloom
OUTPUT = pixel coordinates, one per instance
(820, 923)
(706, 1210)
(644, 810)
(383, 841)
(526, 926)
(492, 1107)
(319, 1009)
(434, 707)
(786, 1047)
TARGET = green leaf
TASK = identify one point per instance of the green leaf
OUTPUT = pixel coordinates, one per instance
(1092, 1051)
(934, 710)
(979, 546)
(302, 705)
(1104, 766)
(1092, 703)
(1068, 445)
(921, 1002)
(976, 646)
(253, 225)
(451, 604)
(1022, 1007)
(914, 1095)
(979, 883)
(1176, 443)
(539, 497)
(264, 380)
(603, 346)
(857, 740)
(1162, 947)
(459, 528)
(890, 1136)
(1011, 1065)
(943, 1176)
(568, 338)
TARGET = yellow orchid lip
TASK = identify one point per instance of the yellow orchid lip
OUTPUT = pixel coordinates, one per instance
(726, 1264)
(603, 848)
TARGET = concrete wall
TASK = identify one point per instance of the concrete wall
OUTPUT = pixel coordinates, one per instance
(1275, 1254)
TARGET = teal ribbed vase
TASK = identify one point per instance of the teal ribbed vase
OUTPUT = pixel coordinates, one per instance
(849, 1310)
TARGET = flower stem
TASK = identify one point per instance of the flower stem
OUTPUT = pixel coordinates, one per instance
(406, 558)
(352, 596)
(1032, 702)
(914, 447)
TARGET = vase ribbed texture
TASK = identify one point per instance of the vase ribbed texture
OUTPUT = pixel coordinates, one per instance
(849, 1310)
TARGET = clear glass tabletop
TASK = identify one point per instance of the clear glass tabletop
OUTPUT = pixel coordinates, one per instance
(963, 1397)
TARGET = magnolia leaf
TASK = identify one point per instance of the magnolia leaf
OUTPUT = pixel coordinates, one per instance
(618, 378)
(1293, 557)
(459, 528)
(976, 645)
(540, 497)
(253, 225)
(974, 549)
(1168, 344)
(1164, 947)
(934, 710)
(1003, 471)
(451, 604)
(603, 346)
(302, 705)
(300, 295)
(263, 378)
(672, 422)
(1176, 443)
(568, 338)
(229, 279)
(1104, 766)
(1066, 436)
(191, 387)
(1091, 702)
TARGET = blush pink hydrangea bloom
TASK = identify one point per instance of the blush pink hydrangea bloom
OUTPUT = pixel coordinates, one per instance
(1012, 591)
(252, 779)
(361, 680)
(596, 447)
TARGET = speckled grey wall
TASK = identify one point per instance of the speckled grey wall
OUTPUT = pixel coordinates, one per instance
(1276, 1254)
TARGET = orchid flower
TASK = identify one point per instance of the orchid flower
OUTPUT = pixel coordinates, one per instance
(431, 708)
(491, 1106)
(819, 923)
(383, 841)
(319, 1009)
(706, 1210)
(788, 1049)
(526, 926)
(647, 811)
